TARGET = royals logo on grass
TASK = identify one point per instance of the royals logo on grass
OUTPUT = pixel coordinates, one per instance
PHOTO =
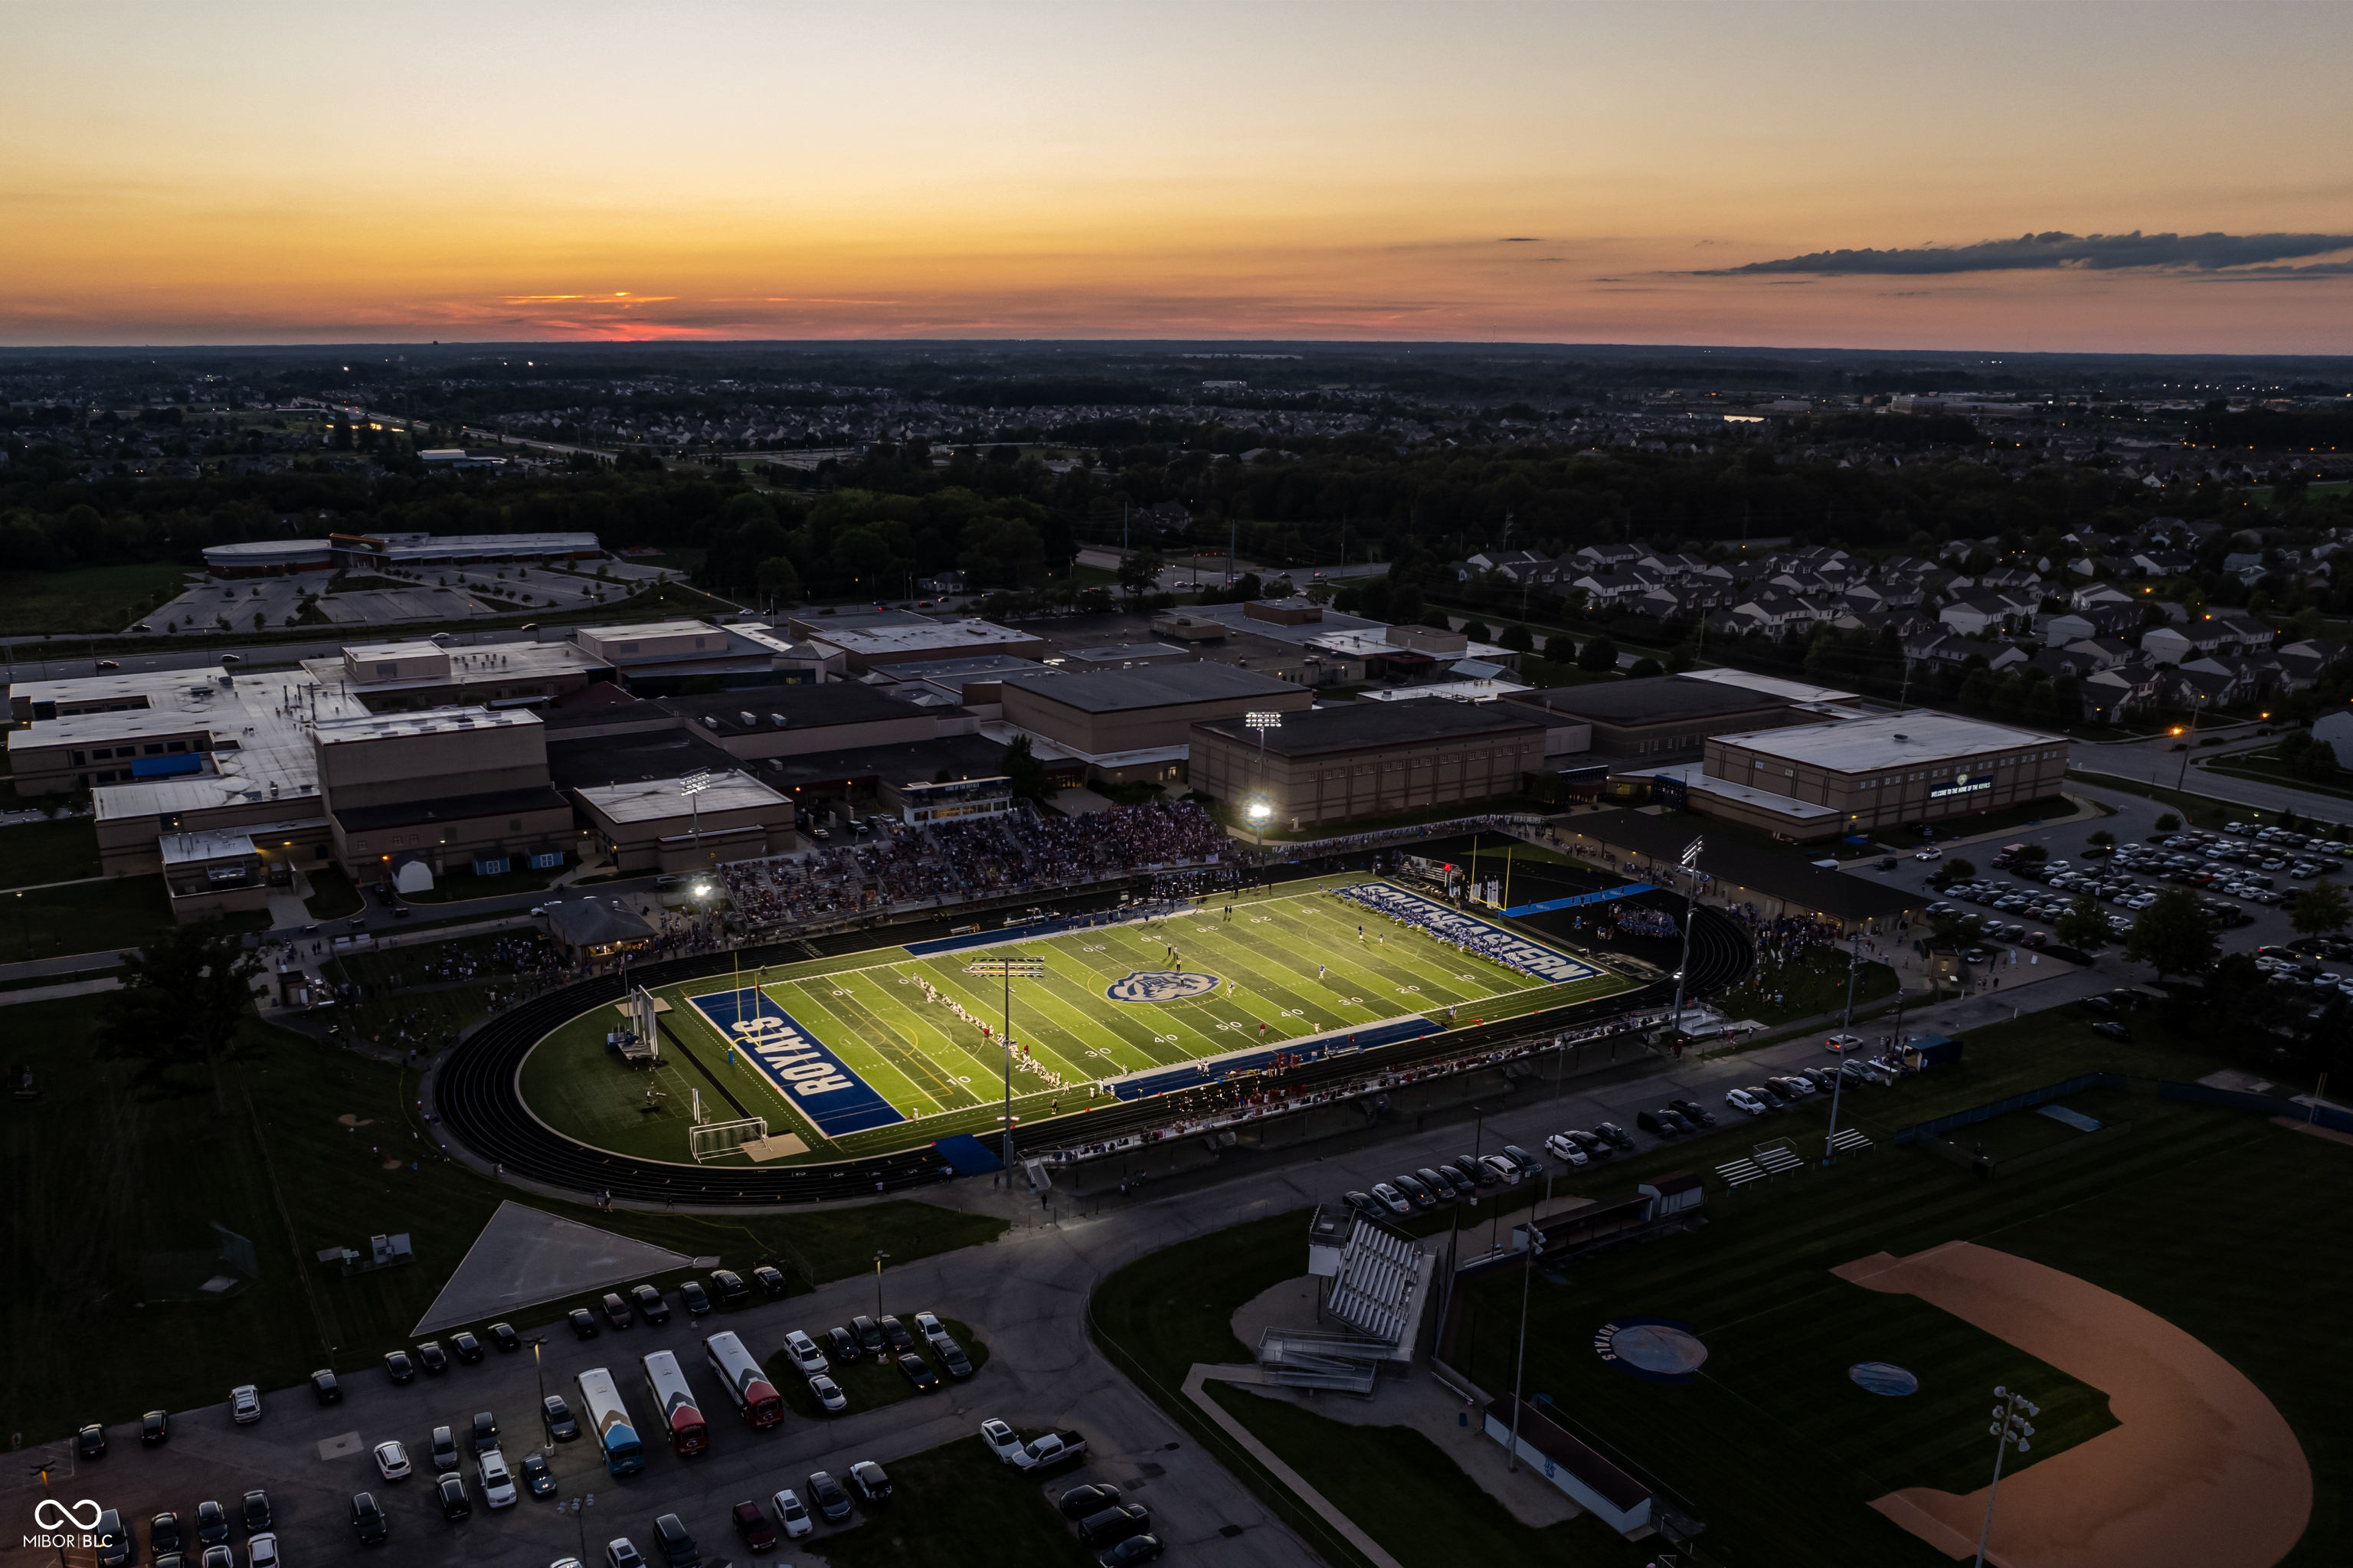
(1160, 985)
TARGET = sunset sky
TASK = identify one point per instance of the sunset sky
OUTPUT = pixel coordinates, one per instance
(174, 174)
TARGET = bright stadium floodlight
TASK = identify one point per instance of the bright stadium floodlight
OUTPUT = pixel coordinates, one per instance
(2008, 1426)
(691, 786)
(1009, 971)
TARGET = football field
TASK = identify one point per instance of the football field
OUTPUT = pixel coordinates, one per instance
(897, 1046)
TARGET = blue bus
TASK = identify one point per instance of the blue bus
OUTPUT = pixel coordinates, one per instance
(609, 1419)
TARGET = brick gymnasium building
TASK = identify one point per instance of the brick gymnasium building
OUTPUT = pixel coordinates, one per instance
(1368, 760)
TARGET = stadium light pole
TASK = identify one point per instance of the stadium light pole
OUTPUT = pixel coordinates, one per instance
(1846, 1027)
(1533, 1238)
(1691, 900)
(1261, 810)
(691, 786)
(1026, 968)
(2008, 1426)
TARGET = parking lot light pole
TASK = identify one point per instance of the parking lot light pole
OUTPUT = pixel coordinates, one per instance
(1533, 1238)
(878, 1282)
(1690, 899)
(2008, 1426)
(1846, 1027)
(546, 1427)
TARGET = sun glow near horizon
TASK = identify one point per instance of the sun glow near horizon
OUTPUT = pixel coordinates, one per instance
(1530, 172)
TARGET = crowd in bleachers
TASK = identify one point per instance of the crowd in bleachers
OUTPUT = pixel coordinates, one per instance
(906, 867)
(1637, 920)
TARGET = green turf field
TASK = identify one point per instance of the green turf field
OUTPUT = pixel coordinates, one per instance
(1293, 958)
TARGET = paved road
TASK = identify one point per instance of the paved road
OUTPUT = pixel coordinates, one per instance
(23, 666)
(2156, 762)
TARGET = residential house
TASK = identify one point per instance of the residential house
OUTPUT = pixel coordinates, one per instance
(1973, 613)
(2218, 631)
(2092, 594)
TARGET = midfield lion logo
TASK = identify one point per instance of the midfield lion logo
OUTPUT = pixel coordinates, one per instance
(1160, 985)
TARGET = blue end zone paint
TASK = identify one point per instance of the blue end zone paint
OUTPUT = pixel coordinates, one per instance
(1627, 890)
(968, 1154)
(803, 1070)
(1482, 936)
(1193, 1075)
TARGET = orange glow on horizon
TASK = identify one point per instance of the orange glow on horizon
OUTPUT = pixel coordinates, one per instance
(1457, 172)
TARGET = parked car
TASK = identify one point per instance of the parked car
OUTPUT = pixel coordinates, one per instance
(1563, 1148)
(697, 1299)
(1822, 1078)
(952, 1357)
(872, 1486)
(90, 1442)
(1692, 1110)
(432, 1356)
(583, 1325)
(399, 1367)
(491, 1473)
(1082, 1503)
(841, 1344)
(449, 1492)
(1440, 1187)
(1365, 1203)
(792, 1514)
(1593, 1143)
(1476, 1170)
(561, 1424)
(826, 1494)
(368, 1520)
(1506, 1170)
(2112, 1029)
(261, 1550)
(164, 1532)
(255, 1510)
(622, 1552)
(1659, 1124)
(504, 1336)
(929, 1325)
(769, 1278)
(895, 1334)
(1528, 1163)
(677, 1547)
(1742, 1100)
(828, 1395)
(617, 1311)
(1134, 1549)
(1798, 1088)
(802, 1351)
(1618, 1136)
(244, 1403)
(1838, 1045)
(1420, 1195)
(729, 1285)
(467, 1347)
(444, 1450)
(486, 1431)
(918, 1371)
(1396, 1201)
(537, 1478)
(753, 1527)
(392, 1461)
(651, 1305)
(1114, 1525)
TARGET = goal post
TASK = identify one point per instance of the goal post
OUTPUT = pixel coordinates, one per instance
(716, 1138)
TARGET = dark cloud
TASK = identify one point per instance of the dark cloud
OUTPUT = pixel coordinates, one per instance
(2058, 251)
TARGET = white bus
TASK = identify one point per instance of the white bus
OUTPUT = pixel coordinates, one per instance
(600, 1401)
(674, 1402)
(755, 1396)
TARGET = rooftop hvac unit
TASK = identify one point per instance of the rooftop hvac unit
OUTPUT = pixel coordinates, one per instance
(779, 720)
(751, 721)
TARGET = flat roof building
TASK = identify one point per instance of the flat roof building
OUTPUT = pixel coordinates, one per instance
(1367, 759)
(1136, 725)
(865, 648)
(1659, 719)
(1824, 781)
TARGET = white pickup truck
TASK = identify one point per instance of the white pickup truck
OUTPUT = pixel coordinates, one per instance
(1037, 1453)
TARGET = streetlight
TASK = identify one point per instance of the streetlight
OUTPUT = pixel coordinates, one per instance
(546, 1429)
(1846, 1027)
(1026, 968)
(879, 1256)
(1690, 899)
(2007, 1427)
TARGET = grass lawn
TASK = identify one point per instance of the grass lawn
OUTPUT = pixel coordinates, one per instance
(462, 885)
(1295, 958)
(1402, 1490)
(956, 1504)
(2266, 767)
(32, 854)
(86, 598)
(332, 896)
(2197, 811)
(1811, 983)
(869, 1381)
(2159, 1216)
(92, 917)
(422, 992)
(316, 1152)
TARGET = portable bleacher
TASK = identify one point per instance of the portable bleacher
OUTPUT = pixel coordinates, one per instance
(1376, 1288)
(1776, 1158)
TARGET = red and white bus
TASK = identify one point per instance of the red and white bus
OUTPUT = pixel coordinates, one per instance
(675, 1405)
(755, 1396)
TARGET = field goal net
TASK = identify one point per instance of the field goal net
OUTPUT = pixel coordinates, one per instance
(718, 1137)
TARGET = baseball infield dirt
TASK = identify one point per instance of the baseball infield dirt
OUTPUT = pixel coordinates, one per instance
(2201, 1471)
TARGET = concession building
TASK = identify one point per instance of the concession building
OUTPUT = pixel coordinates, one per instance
(1368, 760)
